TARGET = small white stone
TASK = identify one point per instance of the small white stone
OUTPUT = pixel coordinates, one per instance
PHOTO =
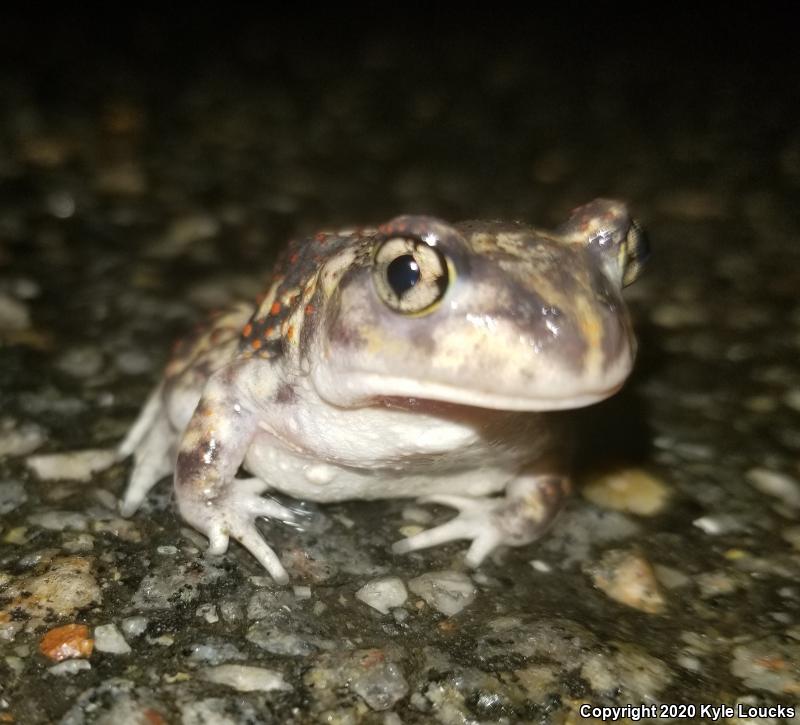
(417, 515)
(106, 499)
(81, 362)
(9, 630)
(59, 520)
(716, 525)
(74, 466)
(134, 626)
(245, 678)
(69, 667)
(302, 592)
(19, 440)
(107, 638)
(383, 594)
(688, 662)
(12, 496)
(541, 566)
(775, 484)
(208, 612)
(79, 544)
(167, 550)
(446, 591)
(792, 399)
(14, 315)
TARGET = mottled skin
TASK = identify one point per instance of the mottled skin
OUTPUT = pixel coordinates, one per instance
(416, 359)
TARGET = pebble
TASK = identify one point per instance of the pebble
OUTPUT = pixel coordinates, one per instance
(245, 678)
(171, 583)
(628, 671)
(301, 592)
(124, 529)
(12, 496)
(14, 315)
(371, 673)
(417, 515)
(383, 594)
(768, 664)
(628, 578)
(133, 362)
(447, 592)
(783, 487)
(72, 466)
(632, 490)
(134, 626)
(671, 578)
(107, 638)
(581, 530)
(231, 611)
(208, 612)
(279, 641)
(217, 711)
(792, 399)
(64, 587)
(381, 685)
(70, 667)
(718, 583)
(214, 653)
(719, 524)
(59, 520)
(81, 362)
(67, 642)
(19, 439)
(792, 535)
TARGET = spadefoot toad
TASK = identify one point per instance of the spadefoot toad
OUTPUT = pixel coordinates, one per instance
(416, 359)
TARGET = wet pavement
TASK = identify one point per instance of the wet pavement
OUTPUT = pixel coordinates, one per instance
(143, 185)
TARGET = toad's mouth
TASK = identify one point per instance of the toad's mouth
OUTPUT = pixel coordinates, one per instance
(412, 394)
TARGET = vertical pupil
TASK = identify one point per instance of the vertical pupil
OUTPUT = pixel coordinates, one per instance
(402, 273)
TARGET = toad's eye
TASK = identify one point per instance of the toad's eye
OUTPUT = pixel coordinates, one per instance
(410, 276)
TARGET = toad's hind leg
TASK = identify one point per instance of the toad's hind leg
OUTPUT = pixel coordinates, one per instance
(152, 443)
(529, 507)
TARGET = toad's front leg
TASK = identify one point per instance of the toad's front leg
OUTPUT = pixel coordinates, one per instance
(211, 450)
(531, 503)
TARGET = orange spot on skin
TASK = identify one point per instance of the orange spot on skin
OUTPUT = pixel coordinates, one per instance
(269, 332)
(67, 642)
(248, 329)
(275, 309)
(310, 309)
(290, 333)
(256, 344)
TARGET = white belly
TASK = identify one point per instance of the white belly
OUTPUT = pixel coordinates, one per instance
(323, 454)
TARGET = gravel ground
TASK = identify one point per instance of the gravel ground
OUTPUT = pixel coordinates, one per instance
(149, 176)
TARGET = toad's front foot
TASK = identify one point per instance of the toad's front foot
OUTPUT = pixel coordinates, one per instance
(232, 514)
(526, 511)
